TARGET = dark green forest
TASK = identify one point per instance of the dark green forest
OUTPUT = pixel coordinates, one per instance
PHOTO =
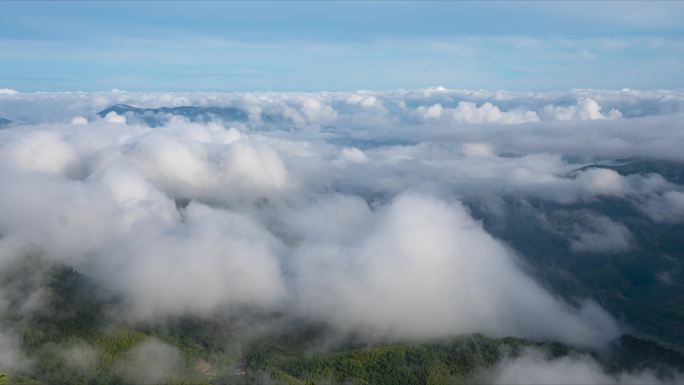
(219, 351)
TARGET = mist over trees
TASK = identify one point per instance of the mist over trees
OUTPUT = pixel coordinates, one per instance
(432, 237)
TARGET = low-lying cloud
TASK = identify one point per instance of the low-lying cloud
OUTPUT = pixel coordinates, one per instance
(536, 367)
(350, 209)
(424, 269)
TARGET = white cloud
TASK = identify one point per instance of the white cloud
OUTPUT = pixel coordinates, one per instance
(603, 182)
(585, 109)
(534, 367)
(113, 117)
(43, 151)
(337, 219)
(667, 207)
(341, 206)
(365, 101)
(79, 120)
(180, 167)
(435, 111)
(436, 272)
(213, 259)
(470, 113)
(257, 168)
(151, 362)
(478, 149)
(602, 235)
(353, 154)
(316, 111)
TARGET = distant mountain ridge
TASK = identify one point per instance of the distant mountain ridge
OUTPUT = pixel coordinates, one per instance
(155, 117)
(4, 122)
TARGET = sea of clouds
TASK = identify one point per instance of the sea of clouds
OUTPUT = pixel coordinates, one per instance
(345, 208)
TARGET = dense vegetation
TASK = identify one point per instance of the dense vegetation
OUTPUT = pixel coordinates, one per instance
(215, 352)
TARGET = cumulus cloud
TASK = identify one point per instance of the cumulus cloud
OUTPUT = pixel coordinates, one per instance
(336, 218)
(425, 261)
(535, 367)
(666, 207)
(315, 111)
(349, 208)
(353, 154)
(585, 109)
(79, 120)
(602, 182)
(365, 101)
(470, 113)
(478, 149)
(602, 235)
(43, 151)
(258, 168)
(435, 111)
(212, 259)
(113, 117)
(180, 167)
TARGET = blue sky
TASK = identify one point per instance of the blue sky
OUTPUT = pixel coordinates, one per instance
(307, 46)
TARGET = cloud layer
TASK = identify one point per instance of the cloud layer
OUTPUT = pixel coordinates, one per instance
(352, 209)
(535, 367)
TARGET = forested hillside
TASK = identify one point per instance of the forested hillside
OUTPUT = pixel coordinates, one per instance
(75, 342)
